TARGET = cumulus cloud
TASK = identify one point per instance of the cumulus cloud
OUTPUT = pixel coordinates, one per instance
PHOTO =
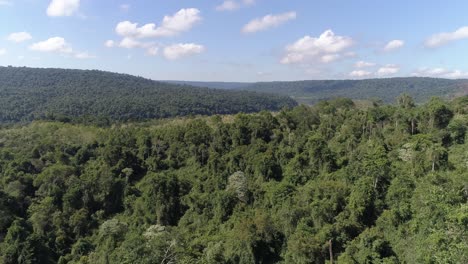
(19, 37)
(59, 45)
(130, 43)
(388, 69)
(231, 5)
(177, 51)
(133, 35)
(2, 52)
(394, 44)
(59, 8)
(84, 55)
(109, 43)
(180, 22)
(55, 44)
(360, 73)
(440, 73)
(228, 5)
(446, 37)
(363, 64)
(267, 22)
(326, 48)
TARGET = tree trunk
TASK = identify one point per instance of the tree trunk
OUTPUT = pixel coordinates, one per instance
(331, 250)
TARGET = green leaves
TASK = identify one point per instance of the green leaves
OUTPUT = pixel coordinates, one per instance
(250, 188)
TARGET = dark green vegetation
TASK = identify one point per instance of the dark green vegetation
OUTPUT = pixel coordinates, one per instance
(310, 92)
(27, 94)
(215, 85)
(385, 185)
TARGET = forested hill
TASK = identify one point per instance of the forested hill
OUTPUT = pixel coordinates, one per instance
(32, 93)
(387, 184)
(215, 85)
(310, 92)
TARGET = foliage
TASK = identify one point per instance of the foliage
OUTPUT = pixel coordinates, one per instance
(386, 89)
(101, 97)
(388, 184)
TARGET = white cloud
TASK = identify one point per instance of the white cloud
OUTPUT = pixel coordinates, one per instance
(130, 43)
(446, 37)
(109, 43)
(180, 22)
(177, 51)
(326, 48)
(2, 52)
(19, 37)
(394, 44)
(228, 5)
(440, 73)
(59, 45)
(55, 44)
(153, 51)
(330, 58)
(360, 73)
(231, 5)
(363, 64)
(267, 22)
(63, 7)
(6, 3)
(84, 55)
(388, 69)
(125, 7)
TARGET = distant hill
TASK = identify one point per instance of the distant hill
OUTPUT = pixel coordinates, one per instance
(309, 92)
(31, 93)
(215, 85)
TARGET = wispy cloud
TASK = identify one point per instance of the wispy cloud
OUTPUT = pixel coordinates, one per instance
(440, 72)
(19, 37)
(268, 21)
(177, 51)
(443, 38)
(394, 45)
(388, 69)
(360, 74)
(231, 5)
(363, 64)
(125, 7)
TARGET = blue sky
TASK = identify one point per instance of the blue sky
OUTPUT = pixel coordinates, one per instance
(239, 40)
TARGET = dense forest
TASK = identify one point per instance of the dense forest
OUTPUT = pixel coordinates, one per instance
(385, 89)
(386, 184)
(215, 85)
(57, 94)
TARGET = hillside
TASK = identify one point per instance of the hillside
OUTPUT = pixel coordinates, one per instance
(214, 85)
(257, 188)
(310, 92)
(30, 93)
